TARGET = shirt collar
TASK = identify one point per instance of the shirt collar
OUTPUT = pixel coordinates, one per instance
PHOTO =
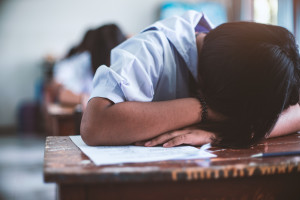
(180, 31)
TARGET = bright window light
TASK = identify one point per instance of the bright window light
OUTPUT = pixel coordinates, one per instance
(265, 11)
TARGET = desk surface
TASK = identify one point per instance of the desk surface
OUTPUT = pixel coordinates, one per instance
(64, 163)
(59, 110)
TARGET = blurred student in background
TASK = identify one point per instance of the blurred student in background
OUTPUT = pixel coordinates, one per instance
(73, 75)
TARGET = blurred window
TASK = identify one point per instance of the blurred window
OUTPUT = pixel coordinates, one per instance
(216, 12)
(296, 5)
(285, 13)
(266, 11)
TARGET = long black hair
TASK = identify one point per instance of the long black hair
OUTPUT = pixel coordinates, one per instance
(99, 42)
(250, 73)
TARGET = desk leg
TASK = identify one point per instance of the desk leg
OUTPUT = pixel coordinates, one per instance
(63, 126)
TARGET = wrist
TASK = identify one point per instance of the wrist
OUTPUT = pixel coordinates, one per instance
(207, 114)
(204, 110)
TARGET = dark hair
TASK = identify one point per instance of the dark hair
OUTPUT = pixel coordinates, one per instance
(248, 72)
(85, 44)
(99, 42)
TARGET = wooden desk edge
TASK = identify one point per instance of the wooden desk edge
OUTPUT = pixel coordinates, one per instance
(71, 169)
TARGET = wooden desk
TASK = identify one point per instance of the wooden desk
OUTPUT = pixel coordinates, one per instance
(232, 175)
(63, 120)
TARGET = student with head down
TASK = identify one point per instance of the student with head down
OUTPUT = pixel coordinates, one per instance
(181, 81)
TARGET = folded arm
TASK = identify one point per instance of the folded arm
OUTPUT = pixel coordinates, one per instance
(288, 122)
(106, 123)
(67, 97)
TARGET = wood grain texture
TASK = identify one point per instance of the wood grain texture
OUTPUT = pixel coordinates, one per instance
(232, 175)
(64, 162)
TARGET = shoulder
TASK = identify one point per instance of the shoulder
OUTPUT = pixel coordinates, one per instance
(76, 58)
(81, 57)
(149, 37)
(151, 44)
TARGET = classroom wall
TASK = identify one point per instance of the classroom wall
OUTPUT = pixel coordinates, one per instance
(31, 29)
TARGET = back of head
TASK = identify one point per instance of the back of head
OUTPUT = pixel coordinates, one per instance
(84, 45)
(250, 73)
(105, 38)
(99, 42)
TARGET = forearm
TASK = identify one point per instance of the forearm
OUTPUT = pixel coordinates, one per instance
(128, 122)
(288, 122)
(68, 97)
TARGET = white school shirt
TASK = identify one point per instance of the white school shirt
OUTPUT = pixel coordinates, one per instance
(156, 64)
(75, 73)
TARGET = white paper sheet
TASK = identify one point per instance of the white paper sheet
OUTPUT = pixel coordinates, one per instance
(106, 155)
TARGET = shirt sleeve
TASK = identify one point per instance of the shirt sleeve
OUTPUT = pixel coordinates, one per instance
(74, 72)
(135, 69)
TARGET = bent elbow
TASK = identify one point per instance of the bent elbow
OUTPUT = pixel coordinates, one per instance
(93, 134)
(86, 132)
(92, 130)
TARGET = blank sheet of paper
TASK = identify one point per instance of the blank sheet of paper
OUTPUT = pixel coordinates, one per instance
(106, 155)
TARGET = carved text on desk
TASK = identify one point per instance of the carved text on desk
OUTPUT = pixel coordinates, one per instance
(232, 171)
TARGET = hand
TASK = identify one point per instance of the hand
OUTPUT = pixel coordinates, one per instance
(190, 135)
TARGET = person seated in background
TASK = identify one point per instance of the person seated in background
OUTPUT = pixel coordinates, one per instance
(73, 75)
(182, 82)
